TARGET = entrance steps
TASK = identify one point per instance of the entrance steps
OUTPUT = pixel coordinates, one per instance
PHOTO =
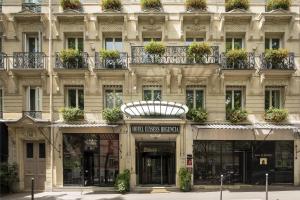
(155, 189)
(86, 189)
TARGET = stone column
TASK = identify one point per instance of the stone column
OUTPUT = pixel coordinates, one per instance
(297, 162)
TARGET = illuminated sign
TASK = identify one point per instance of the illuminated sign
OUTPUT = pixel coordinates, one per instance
(155, 129)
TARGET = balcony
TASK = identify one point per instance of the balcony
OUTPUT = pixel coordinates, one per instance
(287, 63)
(111, 63)
(177, 55)
(238, 64)
(79, 62)
(33, 7)
(33, 114)
(3, 61)
(29, 60)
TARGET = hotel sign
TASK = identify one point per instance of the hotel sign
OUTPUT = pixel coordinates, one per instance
(155, 129)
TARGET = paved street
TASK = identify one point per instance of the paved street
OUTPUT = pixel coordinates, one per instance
(200, 195)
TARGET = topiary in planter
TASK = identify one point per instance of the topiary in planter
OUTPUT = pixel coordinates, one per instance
(112, 115)
(276, 56)
(114, 5)
(109, 54)
(122, 183)
(278, 4)
(196, 5)
(236, 115)
(197, 115)
(237, 4)
(72, 114)
(151, 4)
(155, 48)
(198, 50)
(276, 115)
(70, 4)
(184, 180)
(236, 57)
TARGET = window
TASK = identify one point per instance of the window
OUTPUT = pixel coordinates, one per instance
(29, 150)
(75, 97)
(190, 40)
(32, 42)
(113, 97)
(234, 43)
(34, 98)
(75, 43)
(152, 93)
(195, 97)
(273, 98)
(272, 43)
(114, 44)
(42, 150)
(1, 102)
(234, 98)
(146, 40)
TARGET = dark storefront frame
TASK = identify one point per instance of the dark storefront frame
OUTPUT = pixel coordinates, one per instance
(90, 159)
(243, 161)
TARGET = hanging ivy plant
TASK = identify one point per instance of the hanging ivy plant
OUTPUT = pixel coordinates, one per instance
(236, 115)
(276, 115)
(72, 114)
(197, 115)
(112, 115)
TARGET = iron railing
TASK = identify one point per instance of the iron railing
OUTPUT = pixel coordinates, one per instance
(29, 60)
(80, 62)
(248, 63)
(111, 63)
(3, 60)
(287, 63)
(34, 7)
(33, 114)
(172, 55)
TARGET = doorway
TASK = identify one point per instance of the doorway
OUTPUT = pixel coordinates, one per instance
(88, 168)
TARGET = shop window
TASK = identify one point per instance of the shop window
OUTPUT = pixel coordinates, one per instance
(272, 43)
(33, 98)
(234, 98)
(195, 97)
(42, 150)
(29, 150)
(75, 97)
(152, 93)
(113, 96)
(234, 43)
(114, 44)
(273, 97)
(75, 43)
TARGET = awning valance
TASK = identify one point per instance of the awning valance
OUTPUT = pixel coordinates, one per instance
(248, 126)
(83, 125)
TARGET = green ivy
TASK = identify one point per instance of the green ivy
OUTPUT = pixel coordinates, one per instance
(122, 183)
(278, 4)
(109, 54)
(184, 179)
(197, 115)
(70, 4)
(156, 48)
(9, 177)
(196, 4)
(276, 115)
(115, 5)
(72, 114)
(237, 4)
(198, 51)
(151, 4)
(112, 115)
(236, 115)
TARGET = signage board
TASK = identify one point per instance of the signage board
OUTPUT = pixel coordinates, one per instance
(155, 129)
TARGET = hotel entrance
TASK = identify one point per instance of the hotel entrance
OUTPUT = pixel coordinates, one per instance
(156, 163)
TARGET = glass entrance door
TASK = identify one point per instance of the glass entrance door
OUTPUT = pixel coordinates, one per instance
(152, 169)
(88, 165)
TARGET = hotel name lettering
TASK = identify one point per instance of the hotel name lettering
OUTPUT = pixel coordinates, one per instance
(154, 129)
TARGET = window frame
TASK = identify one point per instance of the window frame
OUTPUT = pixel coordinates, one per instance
(270, 42)
(113, 88)
(77, 88)
(234, 89)
(37, 36)
(76, 42)
(38, 98)
(281, 94)
(193, 39)
(233, 41)
(114, 43)
(152, 89)
(195, 89)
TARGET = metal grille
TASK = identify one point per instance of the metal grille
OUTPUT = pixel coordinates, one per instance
(32, 60)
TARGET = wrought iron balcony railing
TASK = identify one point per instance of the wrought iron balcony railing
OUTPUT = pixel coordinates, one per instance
(111, 63)
(287, 63)
(246, 64)
(172, 55)
(33, 114)
(80, 62)
(3, 60)
(34, 7)
(29, 60)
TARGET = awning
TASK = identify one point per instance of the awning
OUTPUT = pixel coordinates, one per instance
(154, 109)
(249, 126)
(83, 125)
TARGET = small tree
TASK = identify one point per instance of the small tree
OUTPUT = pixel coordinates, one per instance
(122, 183)
(185, 180)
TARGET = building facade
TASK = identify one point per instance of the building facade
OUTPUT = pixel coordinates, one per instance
(35, 84)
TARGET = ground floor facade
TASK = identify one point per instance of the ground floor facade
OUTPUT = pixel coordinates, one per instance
(82, 155)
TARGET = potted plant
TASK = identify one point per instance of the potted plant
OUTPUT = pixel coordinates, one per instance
(155, 48)
(9, 177)
(149, 5)
(197, 115)
(278, 4)
(236, 4)
(112, 5)
(70, 4)
(276, 115)
(236, 58)
(197, 51)
(72, 114)
(122, 183)
(112, 115)
(276, 57)
(236, 115)
(109, 54)
(71, 58)
(192, 5)
(185, 180)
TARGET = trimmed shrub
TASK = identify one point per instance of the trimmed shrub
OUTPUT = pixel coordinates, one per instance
(122, 183)
(236, 56)
(69, 55)
(156, 48)
(197, 115)
(109, 54)
(151, 4)
(198, 51)
(237, 4)
(115, 5)
(72, 114)
(276, 115)
(112, 115)
(196, 4)
(236, 115)
(184, 180)
(70, 4)
(9, 177)
(278, 4)
(276, 56)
